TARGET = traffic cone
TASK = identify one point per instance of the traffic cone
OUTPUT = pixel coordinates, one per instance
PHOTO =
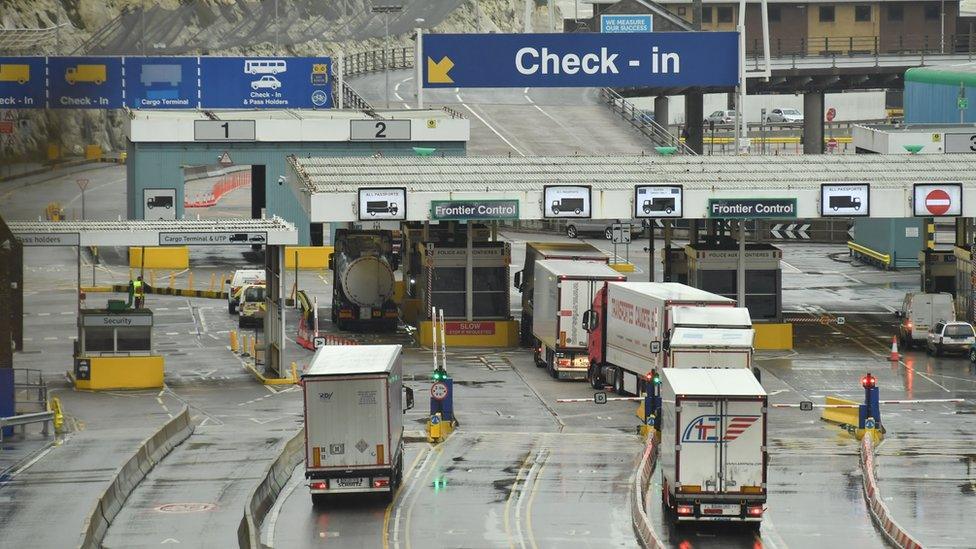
(894, 349)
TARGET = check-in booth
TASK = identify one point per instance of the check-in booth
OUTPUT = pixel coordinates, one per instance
(114, 351)
(712, 267)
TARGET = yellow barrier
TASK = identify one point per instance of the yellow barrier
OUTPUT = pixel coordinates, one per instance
(93, 152)
(123, 372)
(503, 333)
(309, 257)
(168, 257)
(53, 151)
(840, 416)
(55, 406)
(773, 337)
(855, 247)
(623, 267)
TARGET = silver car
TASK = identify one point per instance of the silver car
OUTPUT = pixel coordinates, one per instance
(784, 115)
(950, 337)
(720, 117)
(599, 226)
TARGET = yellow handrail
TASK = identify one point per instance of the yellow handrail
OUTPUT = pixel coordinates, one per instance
(884, 258)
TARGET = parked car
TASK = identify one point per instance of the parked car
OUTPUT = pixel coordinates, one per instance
(957, 337)
(784, 115)
(600, 226)
(919, 312)
(721, 117)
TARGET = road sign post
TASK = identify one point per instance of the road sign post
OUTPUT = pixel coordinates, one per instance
(83, 185)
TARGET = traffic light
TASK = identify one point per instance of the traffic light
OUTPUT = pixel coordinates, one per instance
(439, 374)
(653, 377)
(869, 381)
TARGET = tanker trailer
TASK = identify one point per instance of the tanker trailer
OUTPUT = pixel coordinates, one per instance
(362, 281)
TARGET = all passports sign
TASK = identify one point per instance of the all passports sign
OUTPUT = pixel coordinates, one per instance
(667, 59)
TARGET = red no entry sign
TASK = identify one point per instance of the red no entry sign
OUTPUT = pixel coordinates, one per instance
(831, 114)
(937, 202)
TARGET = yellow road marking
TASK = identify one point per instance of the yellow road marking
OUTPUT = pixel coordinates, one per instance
(389, 508)
(511, 496)
(532, 493)
(439, 451)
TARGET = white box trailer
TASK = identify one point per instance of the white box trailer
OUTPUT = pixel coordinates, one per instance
(713, 454)
(563, 291)
(354, 419)
(645, 326)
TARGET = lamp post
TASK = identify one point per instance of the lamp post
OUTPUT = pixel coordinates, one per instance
(387, 10)
(419, 62)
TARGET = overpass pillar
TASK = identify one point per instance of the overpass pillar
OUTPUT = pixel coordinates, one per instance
(661, 110)
(813, 122)
(694, 114)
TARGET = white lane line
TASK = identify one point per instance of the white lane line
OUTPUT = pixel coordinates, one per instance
(67, 312)
(50, 338)
(30, 463)
(272, 518)
(790, 268)
(43, 314)
(407, 498)
(489, 126)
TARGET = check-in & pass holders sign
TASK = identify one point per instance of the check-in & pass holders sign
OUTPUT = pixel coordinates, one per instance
(212, 239)
(751, 208)
(462, 210)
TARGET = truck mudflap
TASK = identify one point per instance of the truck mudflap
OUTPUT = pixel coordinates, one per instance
(719, 510)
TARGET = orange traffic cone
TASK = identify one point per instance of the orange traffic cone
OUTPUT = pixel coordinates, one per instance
(894, 349)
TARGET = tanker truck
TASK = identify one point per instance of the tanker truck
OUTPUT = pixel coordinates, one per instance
(362, 281)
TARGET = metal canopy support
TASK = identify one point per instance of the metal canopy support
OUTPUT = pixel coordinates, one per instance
(469, 276)
(274, 316)
(740, 278)
(667, 251)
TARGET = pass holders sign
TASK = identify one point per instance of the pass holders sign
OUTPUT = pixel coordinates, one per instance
(159, 204)
(659, 59)
(45, 239)
(161, 82)
(653, 201)
(571, 201)
(752, 208)
(960, 143)
(937, 199)
(463, 210)
(85, 82)
(626, 23)
(265, 82)
(22, 82)
(377, 203)
(379, 130)
(845, 200)
(212, 239)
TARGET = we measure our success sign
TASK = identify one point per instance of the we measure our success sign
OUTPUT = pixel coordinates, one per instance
(581, 59)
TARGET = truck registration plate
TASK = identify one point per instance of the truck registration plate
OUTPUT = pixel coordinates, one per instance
(365, 313)
(721, 509)
(350, 482)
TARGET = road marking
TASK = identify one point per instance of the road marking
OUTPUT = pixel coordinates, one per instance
(397, 500)
(43, 314)
(511, 495)
(790, 268)
(534, 490)
(490, 127)
(50, 338)
(439, 451)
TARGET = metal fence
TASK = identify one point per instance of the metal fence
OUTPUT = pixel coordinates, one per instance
(31, 390)
(864, 45)
(643, 121)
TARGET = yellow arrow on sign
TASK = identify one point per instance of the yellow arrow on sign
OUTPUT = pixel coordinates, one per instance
(437, 71)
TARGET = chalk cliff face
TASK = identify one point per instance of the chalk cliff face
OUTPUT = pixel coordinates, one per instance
(208, 27)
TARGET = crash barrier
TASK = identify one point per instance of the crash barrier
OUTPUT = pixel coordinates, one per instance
(883, 260)
(893, 532)
(124, 288)
(623, 267)
(128, 477)
(845, 417)
(159, 257)
(264, 494)
(308, 257)
(23, 420)
(223, 186)
(646, 535)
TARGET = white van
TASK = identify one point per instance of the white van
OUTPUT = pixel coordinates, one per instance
(241, 278)
(918, 313)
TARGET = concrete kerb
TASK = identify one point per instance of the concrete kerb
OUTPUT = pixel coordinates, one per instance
(132, 472)
(264, 494)
(894, 534)
(646, 535)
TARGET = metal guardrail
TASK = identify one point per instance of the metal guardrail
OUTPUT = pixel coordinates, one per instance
(31, 389)
(657, 133)
(894, 533)
(23, 420)
(864, 45)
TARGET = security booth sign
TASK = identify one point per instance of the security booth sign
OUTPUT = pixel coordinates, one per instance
(845, 200)
(566, 201)
(159, 204)
(191, 238)
(382, 203)
(937, 199)
(751, 208)
(464, 210)
(654, 201)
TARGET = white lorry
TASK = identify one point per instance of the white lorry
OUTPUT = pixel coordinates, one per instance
(354, 420)
(562, 292)
(639, 327)
(713, 456)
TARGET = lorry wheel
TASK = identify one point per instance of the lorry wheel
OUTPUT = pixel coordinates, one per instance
(597, 383)
(551, 368)
(972, 356)
(618, 381)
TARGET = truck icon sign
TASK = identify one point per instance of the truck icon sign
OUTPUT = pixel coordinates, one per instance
(15, 73)
(94, 74)
(374, 207)
(574, 205)
(161, 74)
(159, 202)
(659, 204)
(844, 201)
(239, 237)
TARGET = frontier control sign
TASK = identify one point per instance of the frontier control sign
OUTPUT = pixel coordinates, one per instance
(660, 59)
(461, 210)
(751, 208)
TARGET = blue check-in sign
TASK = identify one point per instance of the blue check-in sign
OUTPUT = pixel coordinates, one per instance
(627, 23)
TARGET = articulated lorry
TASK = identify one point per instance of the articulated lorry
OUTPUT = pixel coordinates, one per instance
(636, 328)
(713, 455)
(363, 281)
(354, 405)
(525, 279)
(563, 292)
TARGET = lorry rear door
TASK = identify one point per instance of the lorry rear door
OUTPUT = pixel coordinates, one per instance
(575, 298)
(721, 445)
(743, 439)
(346, 422)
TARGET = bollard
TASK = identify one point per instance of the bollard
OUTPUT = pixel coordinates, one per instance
(172, 279)
(434, 428)
(254, 343)
(294, 372)
(189, 281)
(244, 345)
(152, 278)
(213, 282)
(223, 280)
(233, 341)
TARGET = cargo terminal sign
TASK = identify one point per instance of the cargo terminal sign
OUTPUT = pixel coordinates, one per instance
(212, 239)
(463, 210)
(662, 59)
(165, 82)
(751, 208)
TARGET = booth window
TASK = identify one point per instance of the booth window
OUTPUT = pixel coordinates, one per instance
(826, 14)
(724, 14)
(100, 339)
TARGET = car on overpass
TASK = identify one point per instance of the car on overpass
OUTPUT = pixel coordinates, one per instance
(600, 226)
(787, 116)
(720, 117)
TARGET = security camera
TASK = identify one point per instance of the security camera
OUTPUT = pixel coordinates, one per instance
(281, 180)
